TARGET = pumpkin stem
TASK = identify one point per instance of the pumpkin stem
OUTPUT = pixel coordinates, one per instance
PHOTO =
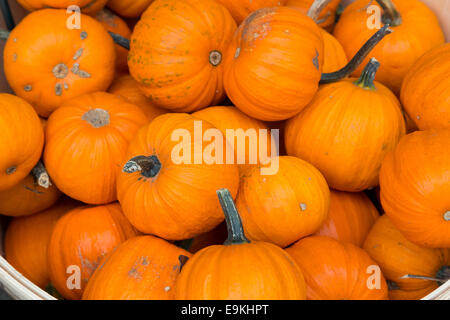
(236, 233)
(40, 175)
(4, 34)
(390, 14)
(316, 8)
(121, 41)
(442, 276)
(368, 75)
(444, 273)
(447, 216)
(148, 166)
(358, 58)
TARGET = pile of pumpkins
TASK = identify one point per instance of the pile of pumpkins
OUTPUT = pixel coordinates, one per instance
(101, 211)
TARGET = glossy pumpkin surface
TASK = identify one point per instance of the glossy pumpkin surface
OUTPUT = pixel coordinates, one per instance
(335, 57)
(240, 9)
(129, 8)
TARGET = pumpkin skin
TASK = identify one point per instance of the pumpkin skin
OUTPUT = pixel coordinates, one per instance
(335, 270)
(350, 218)
(27, 239)
(398, 52)
(398, 257)
(240, 9)
(87, 6)
(142, 268)
(39, 62)
(273, 71)
(126, 87)
(346, 131)
(425, 91)
(284, 207)
(335, 57)
(98, 123)
(176, 53)
(81, 238)
(21, 141)
(414, 180)
(327, 16)
(177, 200)
(129, 8)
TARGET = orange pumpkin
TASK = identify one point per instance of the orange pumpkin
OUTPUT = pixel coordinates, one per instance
(176, 53)
(240, 9)
(142, 268)
(79, 241)
(87, 6)
(51, 64)
(168, 182)
(128, 88)
(347, 130)
(415, 182)
(350, 218)
(27, 238)
(335, 57)
(239, 269)
(425, 92)
(99, 124)
(398, 257)
(21, 140)
(286, 206)
(413, 23)
(335, 270)
(326, 18)
(129, 8)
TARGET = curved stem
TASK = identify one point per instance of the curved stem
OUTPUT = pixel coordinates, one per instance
(236, 233)
(442, 276)
(40, 175)
(148, 166)
(4, 34)
(121, 41)
(358, 58)
(390, 14)
(368, 75)
(316, 8)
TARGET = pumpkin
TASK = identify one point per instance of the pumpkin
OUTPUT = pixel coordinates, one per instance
(142, 268)
(27, 238)
(326, 18)
(168, 182)
(398, 257)
(86, 6)
(214, 237)
(129, 8)
(415, 182)
(425, 91)
(286, 206)
(335, 57)
(79, 241)
(239, 269)
(128, 88)
(240, 9)
(21, 140)
(347, 130)
(99, 124)
(413, 24)
(336, 270)
(350, 218)
(51, 64)
(177, 50)
(115, 24)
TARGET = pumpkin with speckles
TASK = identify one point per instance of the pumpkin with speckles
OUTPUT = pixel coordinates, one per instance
(86, 6)
(51, 64)
(177, 50)
(240, 9)
(129, 8)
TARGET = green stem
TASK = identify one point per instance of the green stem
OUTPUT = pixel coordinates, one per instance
(4, 34)
(121, 41)
(368, 75)
(41, 176)
(390, 14)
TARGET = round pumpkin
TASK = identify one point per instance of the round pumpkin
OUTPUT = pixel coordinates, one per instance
(129, 8)
(335, 57)
(51, 64)
(286, 206)
(398, 257)
(27, 238)
(336, 270)
(415, 182)
(21, 140)
(326, 18)
(177, 50)
(425, 91)
(240, 9)
(79, 241)
(239, 269)
(416, 31)
(347, 130)
(142, 268)
(350, 218)
(168, 182)
(87, 138)
(86, 6)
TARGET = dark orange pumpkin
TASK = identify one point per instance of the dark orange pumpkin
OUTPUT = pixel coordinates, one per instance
(240, 9)
(86, 6)
(129, 8)
(335, 57)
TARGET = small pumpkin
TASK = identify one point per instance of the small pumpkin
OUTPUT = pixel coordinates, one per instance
(239, 269)
(347, 130)
(168, 182)
(86, 6)
(326, 18)
(286, 206)
(398, 257)
(129, 8)
(415, 182)
(142, 268)
(335, 57)
(51, 64)
(27, 238)
(336, 270)
(79, 241)
(240, 9)
(350, 218)
(99, 124)
(425, 91)
(176, 53)
(21, 140)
